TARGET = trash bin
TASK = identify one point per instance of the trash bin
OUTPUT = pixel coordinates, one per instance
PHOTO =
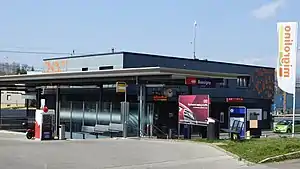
(203, 131)
(62, 132)
(213, 129)
(187, 131)
(255, 133)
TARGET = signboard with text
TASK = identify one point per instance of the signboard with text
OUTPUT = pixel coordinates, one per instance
(203, 82)
(193, 109)
(121, 87)
(234, 99)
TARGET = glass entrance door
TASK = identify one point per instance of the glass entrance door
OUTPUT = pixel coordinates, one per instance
(133, 120)
(149, 119)
(165, 119)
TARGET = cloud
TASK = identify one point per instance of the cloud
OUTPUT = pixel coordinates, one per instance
(268, 10)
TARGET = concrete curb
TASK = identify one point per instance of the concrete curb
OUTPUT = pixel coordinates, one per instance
(271, 159)
(223, 150)
(231, 154)
(12, 132)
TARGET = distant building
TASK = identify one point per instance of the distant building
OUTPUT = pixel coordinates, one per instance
(279, 98)
(12, 99)
(34, 72)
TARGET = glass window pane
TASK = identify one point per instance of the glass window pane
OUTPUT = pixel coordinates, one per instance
(238, 82)
(65, 116)
(89, 113)
(133, 128)
(77, 119)
(104, 114)
(244, 82)
(116, 112)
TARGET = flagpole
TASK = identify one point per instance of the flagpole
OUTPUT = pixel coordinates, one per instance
(294, 98)
(294, 109)
(194, 43)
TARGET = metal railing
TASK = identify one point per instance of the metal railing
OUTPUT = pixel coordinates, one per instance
(13, 123)
(158, 129)
(142, 132)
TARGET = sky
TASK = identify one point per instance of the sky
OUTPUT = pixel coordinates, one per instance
(236, 31)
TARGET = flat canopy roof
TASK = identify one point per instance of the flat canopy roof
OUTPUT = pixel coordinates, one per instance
(98, 76)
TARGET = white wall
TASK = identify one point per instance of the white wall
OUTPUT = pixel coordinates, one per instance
(13, 98)
(77, 63)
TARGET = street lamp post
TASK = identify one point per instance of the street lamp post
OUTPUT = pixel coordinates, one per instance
(294, 99)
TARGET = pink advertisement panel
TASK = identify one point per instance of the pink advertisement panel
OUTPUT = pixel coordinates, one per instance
(193, 109)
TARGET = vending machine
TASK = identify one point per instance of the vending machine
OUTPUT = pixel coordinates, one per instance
(44, 124)
(237, 119)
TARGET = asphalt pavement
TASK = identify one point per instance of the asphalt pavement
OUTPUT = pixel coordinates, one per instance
(17, 152)
(293, 164)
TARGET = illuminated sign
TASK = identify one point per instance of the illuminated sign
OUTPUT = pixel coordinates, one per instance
(160, 98)
(203, 82)
(238, 99)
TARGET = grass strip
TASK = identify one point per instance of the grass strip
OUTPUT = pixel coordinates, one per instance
(258, 150)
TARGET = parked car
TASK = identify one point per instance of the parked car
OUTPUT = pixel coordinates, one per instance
(285, 126)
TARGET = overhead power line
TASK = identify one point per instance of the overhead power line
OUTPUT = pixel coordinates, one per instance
(34, 52)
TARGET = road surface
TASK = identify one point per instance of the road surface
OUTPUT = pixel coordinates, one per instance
(293, 164)
(17, 152)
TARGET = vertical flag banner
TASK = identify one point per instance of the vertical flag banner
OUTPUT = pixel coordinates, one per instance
(287, 53)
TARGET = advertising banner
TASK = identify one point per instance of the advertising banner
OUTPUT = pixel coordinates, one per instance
(287, 53)
(193, 109)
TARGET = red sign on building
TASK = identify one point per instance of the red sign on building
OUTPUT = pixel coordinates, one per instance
(190, 81)
(234, 99)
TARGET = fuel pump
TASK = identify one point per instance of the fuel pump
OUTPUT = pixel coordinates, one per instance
(44, 123)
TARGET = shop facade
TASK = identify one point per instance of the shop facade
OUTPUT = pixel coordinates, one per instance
(73, 87)
(254, 88)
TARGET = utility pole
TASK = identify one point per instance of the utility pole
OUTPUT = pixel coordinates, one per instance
(284, 102)
(194, 42)
(294, 96)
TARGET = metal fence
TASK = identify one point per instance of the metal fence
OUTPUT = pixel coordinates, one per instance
(12, 120)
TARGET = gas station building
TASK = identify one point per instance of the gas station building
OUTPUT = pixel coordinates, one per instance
(82, 90)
